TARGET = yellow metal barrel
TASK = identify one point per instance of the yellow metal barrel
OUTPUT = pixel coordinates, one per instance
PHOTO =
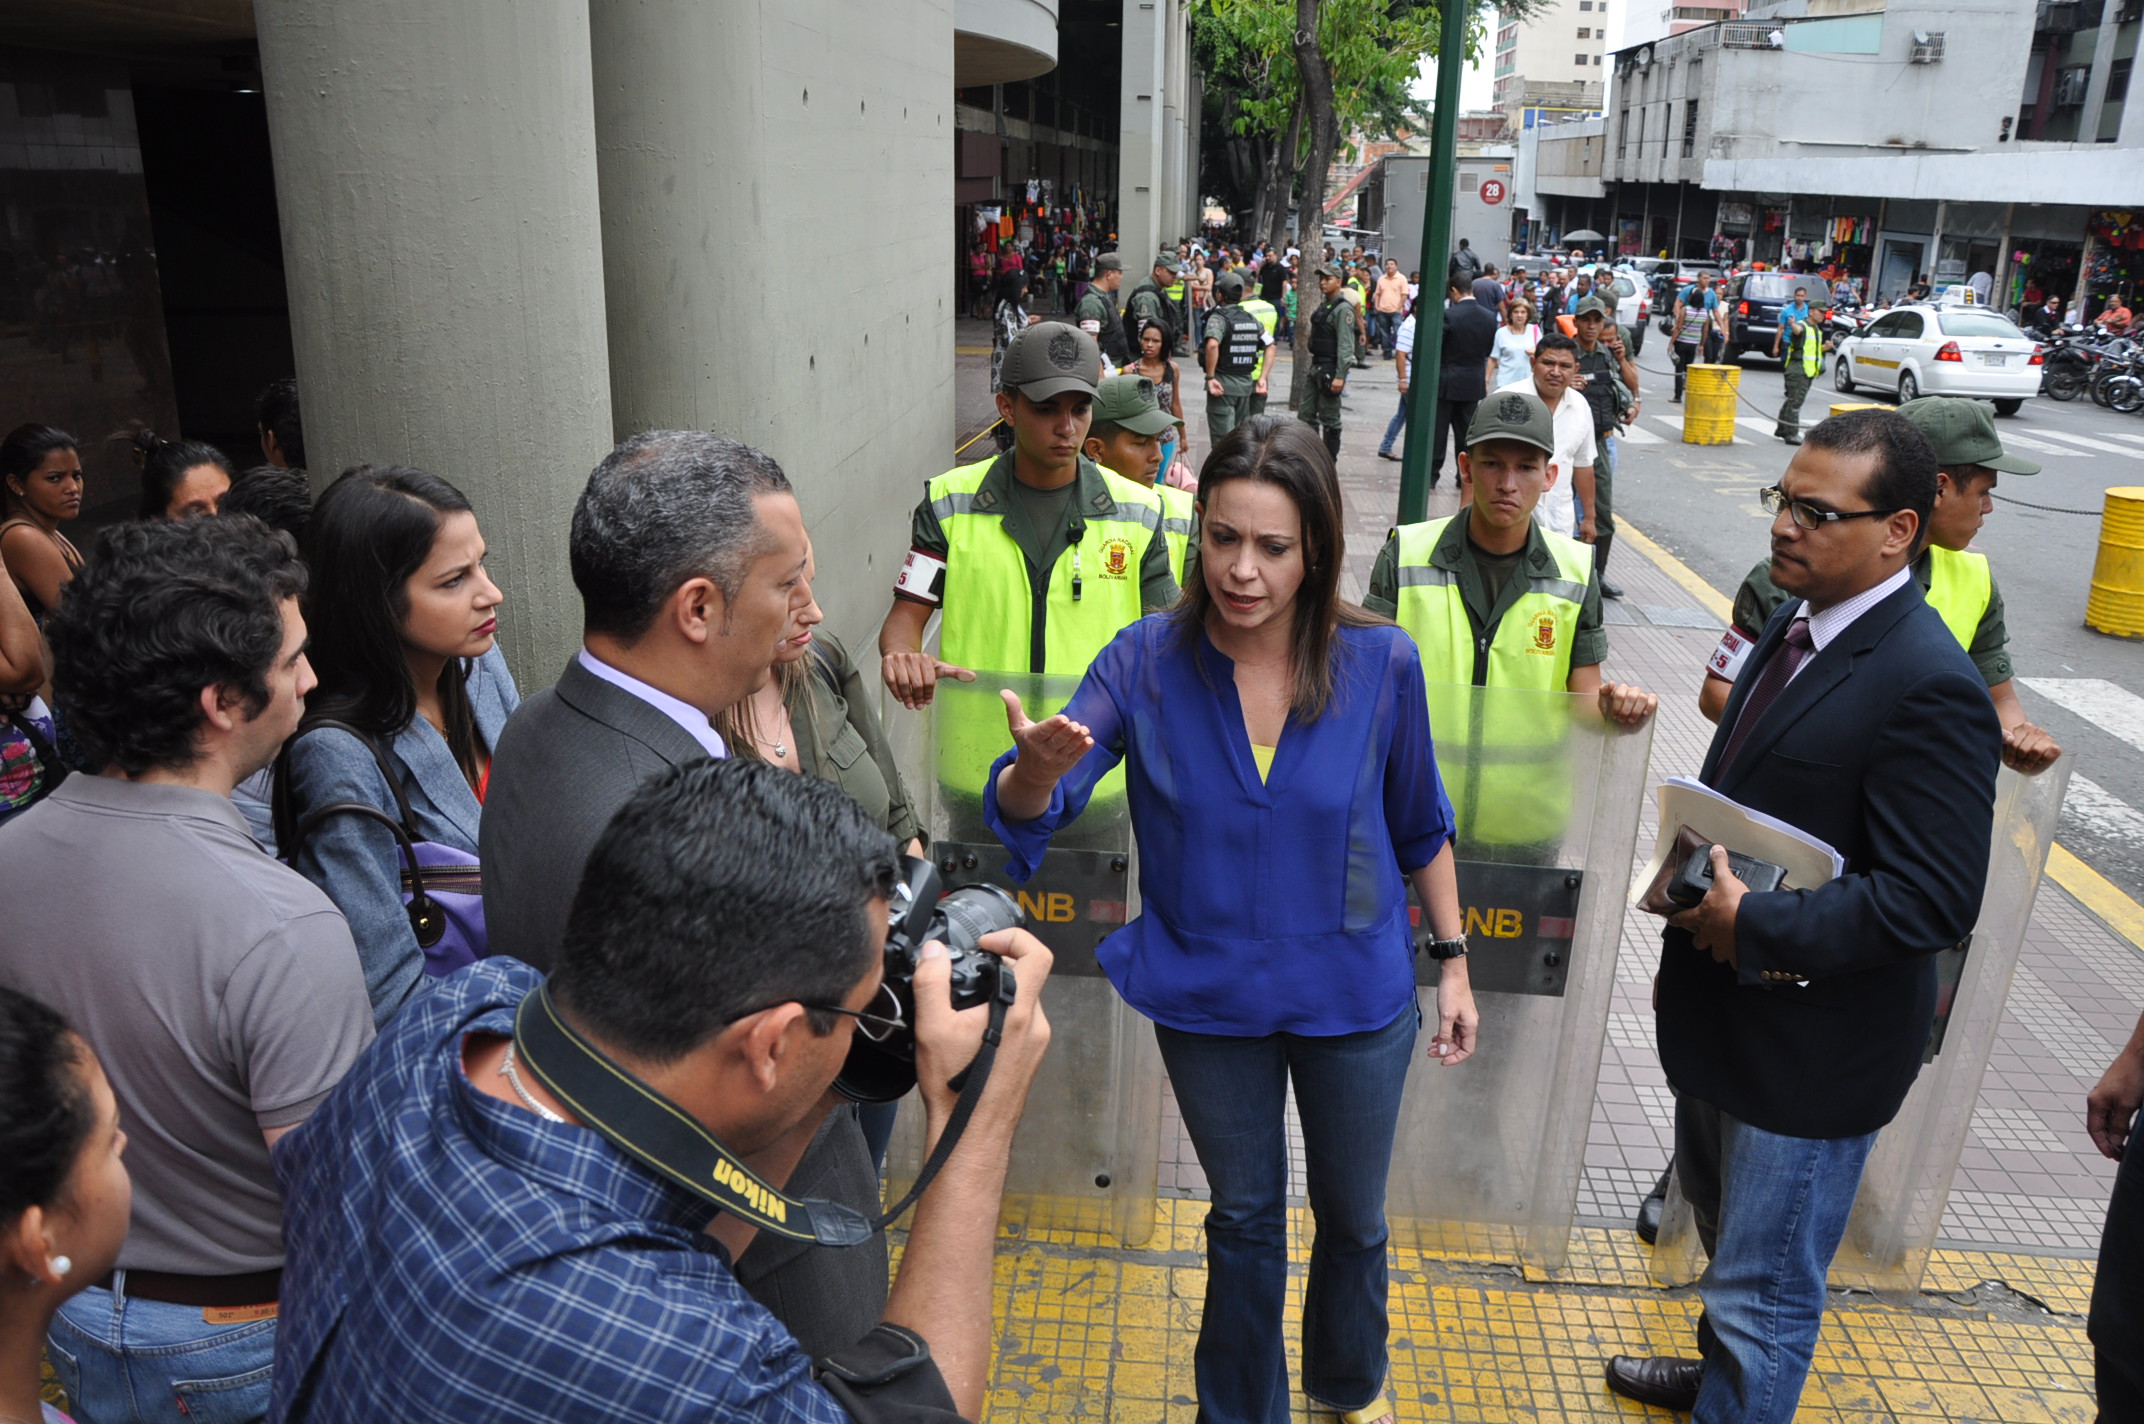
(1842, 407)
(1708, 409)
(2116, 603)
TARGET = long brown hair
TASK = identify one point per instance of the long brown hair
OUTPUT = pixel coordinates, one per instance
(739, 728)
(1288, 453)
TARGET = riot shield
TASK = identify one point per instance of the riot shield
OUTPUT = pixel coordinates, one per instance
(1087, 1156)
(1906, 1184)
(1548, 795)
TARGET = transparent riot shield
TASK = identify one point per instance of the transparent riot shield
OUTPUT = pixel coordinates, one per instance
(1087, 1156)
(1906, 1184)
(1548, 795)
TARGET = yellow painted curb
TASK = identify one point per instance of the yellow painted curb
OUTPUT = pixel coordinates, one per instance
(2097, 894)
(1720, 608)
(2094, 891)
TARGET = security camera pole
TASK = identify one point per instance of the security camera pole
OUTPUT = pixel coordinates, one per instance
(1428, 366)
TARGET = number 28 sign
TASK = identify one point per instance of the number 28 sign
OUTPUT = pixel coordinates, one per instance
(1492, 191)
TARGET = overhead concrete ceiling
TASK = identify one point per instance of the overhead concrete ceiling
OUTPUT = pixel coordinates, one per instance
(125, 24)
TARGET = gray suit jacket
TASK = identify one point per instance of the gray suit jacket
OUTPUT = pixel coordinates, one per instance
(568, 759)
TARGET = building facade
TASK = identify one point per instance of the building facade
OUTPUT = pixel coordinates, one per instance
(1893, 140)
(1552, 64)
(493, 236)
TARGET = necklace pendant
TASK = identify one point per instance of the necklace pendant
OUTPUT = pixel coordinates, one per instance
(781, 751)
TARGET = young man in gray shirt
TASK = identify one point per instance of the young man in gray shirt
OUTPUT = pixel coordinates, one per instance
(220, 989)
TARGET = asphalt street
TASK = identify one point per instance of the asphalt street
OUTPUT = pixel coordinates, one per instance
(2085, 687)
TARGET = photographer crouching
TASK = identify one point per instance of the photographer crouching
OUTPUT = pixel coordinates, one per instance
(523, 1202)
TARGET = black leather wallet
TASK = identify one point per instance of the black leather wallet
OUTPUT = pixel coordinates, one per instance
(1695, 878)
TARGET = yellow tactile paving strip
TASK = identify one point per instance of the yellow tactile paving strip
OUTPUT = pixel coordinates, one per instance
(1089, 1331)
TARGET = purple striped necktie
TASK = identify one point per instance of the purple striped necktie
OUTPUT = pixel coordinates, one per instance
(1793, 651)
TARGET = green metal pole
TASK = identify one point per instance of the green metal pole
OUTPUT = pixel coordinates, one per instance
(1425, 368)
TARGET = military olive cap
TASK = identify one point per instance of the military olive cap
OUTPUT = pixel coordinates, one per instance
(1166, 258)
(1134, 403)
(1230, 283)
(1963, 432)
(1594, 306)
(1048, 359)
(1323, 270)
(1109, 262)
(1513, 415)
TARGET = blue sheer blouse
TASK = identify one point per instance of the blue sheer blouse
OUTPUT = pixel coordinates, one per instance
(1274, 906)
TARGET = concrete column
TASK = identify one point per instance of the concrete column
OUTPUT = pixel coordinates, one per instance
(1142, 179)
(436, 179)
(2095, 89)
(1173, 73)
(777, 185)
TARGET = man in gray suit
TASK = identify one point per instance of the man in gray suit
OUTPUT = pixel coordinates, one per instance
(689, 553)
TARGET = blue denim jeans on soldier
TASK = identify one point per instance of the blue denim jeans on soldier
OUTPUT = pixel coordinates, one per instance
(130, 1359)
(1232, 1093)
(1771, 1210)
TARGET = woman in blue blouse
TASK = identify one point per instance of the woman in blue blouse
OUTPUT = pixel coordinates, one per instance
(1284, 791)
(404, 623)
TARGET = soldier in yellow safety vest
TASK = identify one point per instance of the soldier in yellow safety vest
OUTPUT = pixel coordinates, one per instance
(1268, 318)
(1493, 600)
(1125, 439)
(1958, 583)
(1036, 557)
(1803, 360)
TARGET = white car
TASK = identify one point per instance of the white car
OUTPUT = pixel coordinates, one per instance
(1942, 351)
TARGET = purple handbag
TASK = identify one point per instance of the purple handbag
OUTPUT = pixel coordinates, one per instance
(442, 886)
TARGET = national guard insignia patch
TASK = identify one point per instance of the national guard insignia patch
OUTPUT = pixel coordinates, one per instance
(1512, 410)
(1544, 633)
(1116, 559)
(1064, 351)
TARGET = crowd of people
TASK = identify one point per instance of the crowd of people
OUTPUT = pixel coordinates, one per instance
(377, 1043)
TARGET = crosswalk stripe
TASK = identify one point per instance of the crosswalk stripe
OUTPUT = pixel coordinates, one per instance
(2100, 811)
(2114, 710)
(2088, 442)
(2041, 447)
(1637, 435)
(2134, 439)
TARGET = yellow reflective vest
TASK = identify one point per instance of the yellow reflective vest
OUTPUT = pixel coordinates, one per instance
(1812, 350)
(1268, 322)
(1503, 757)
(1179, 512)
(997, 621)
(1960, 587)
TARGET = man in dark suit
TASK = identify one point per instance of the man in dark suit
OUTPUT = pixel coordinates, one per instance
(689, 552)
(1463, 378)
(1791, 1023)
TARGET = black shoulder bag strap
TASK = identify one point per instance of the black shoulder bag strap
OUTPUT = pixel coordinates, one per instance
(670, 1142)
(426, 919)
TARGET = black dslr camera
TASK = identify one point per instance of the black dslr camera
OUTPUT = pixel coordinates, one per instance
(883, 1069)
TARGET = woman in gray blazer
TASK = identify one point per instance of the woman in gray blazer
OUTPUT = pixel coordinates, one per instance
(403, 621)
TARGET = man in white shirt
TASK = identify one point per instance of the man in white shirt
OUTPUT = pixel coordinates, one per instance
(1403, 358)
(1570, 469)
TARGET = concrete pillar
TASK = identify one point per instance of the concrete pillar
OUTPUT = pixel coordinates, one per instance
(436, 179)
(777, 180)
(1142, 178)
(1173, 72)
(2095, 89)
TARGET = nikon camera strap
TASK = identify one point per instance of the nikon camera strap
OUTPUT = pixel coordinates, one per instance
(662, 1136)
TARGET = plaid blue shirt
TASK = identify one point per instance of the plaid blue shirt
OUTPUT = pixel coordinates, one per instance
(454, 1258)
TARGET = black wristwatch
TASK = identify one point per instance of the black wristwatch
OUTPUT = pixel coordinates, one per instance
(1446, 948)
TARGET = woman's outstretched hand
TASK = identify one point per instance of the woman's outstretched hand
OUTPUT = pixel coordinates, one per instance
(1049, 748)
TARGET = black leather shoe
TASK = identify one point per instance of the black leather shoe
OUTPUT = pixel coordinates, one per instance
(1662, 1380)
(1610, 590)
(1649, 1210)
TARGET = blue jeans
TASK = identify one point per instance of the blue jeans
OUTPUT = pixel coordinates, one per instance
(121, 1359)
(1771, 1211)
(1399, 423)
(1232, 1093)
